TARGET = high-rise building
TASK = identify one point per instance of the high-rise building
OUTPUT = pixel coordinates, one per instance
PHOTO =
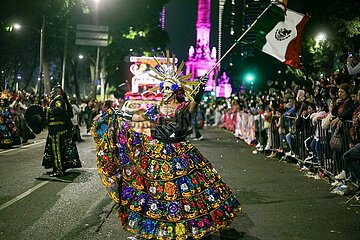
(237, 16)
(230, 28)
(252, 10)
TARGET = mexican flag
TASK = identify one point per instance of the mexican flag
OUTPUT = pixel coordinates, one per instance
(279, 34)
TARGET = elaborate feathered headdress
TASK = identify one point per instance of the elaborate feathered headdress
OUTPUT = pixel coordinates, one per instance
(5, 95)
(169, 72)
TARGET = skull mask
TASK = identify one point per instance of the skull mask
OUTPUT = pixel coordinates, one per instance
(167, 90)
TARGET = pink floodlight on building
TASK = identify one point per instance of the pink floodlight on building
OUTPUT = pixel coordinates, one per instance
(201, 58)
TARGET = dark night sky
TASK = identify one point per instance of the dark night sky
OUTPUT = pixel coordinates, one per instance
(181, 16)
(180, 23)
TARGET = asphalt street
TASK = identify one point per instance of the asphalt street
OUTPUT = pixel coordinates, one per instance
(278, 201)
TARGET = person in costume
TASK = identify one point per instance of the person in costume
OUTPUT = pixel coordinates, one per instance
(60, 150)
(20, 108)
(163, 186)
(9, 133)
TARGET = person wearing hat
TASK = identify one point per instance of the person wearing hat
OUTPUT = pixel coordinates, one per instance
(60, 151)
(163, 186)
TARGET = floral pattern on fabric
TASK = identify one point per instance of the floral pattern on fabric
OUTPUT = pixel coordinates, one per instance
(152, 113)
(163, 190)
(9, 133)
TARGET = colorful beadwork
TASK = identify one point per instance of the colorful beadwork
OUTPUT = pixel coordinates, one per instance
(163, 190)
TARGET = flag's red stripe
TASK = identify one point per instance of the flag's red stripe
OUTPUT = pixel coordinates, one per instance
(292, 54)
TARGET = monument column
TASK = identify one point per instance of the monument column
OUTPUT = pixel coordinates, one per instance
(203, 24)
(201, 58)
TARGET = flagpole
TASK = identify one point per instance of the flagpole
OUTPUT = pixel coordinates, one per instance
(236, 42)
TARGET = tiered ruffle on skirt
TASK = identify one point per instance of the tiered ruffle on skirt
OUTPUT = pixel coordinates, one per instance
(163, 190)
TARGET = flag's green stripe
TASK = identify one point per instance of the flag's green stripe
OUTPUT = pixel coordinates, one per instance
(266, 23)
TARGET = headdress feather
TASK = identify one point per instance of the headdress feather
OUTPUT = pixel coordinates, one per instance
(169, 72)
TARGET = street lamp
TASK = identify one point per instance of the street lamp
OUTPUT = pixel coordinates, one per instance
(41, 51)
(250, 77)
(321, 37)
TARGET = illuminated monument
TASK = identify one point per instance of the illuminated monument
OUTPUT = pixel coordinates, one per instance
(201, 59)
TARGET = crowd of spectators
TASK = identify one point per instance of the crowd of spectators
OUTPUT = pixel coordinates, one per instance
(313, 122)
(297, 120)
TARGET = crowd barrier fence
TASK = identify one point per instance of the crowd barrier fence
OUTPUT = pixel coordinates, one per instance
(251, 128)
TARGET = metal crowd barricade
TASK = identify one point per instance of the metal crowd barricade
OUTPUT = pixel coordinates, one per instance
(247, 126)
(325, 150)
(275, 136)
(330, 160)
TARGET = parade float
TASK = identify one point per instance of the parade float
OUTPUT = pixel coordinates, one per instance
(139, 98)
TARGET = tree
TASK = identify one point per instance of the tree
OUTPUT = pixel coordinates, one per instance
(140, 17)
(342, 35)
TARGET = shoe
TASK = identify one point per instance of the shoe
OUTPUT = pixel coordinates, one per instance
(254, 152)
(56, 174)
(258, 145)
(198, 139)
(304, 168)
(267, 148)
(336, 183)
(309, 175)
(357, 197)
(260, 149)
(272, 155)
(341, 190)
(341, 175)
(317, 177)
(132, 238)
(288, 153)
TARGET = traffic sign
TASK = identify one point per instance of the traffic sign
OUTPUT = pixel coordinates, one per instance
(92, 35)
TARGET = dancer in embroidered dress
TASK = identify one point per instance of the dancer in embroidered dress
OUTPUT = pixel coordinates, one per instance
(163, 186)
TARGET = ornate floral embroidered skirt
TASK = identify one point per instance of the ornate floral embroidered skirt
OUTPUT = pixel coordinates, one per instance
(163, 190)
